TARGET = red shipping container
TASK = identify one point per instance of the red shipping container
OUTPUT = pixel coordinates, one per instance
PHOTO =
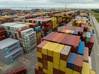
(85, 27)
(83, 38)
(2, 34)
(50, 36)
(38, 70)
(78, 63)
(20, 70)
(32, 25)
(86, 54)
(39, 47)
(56, 71)
(58, 37)
(90, 44)
(65, 39)
(92, 39)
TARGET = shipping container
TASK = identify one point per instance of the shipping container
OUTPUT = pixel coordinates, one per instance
(65, 39)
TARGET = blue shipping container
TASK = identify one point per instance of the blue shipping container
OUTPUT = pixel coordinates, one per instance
(71, 59)
(81, 47)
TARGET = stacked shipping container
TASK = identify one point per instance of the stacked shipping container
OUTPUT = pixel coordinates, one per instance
(2, 33)
(22, 32)
(64, 39)
(55, 58)
(10, 49)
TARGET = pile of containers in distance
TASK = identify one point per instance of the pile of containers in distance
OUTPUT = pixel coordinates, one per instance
(22, 32)
(64, 17)
(10, 49)
(47, 24)
(38, 31)
(71, 30)
(4, 19)
(86, 36)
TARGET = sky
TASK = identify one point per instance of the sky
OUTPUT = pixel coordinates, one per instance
(48, 3)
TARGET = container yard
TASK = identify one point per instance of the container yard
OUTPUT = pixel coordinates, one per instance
(49, 42)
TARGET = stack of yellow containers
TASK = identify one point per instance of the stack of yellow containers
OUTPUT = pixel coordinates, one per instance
(54, 22)
(52, 59)
(86, 69)
(38, 35)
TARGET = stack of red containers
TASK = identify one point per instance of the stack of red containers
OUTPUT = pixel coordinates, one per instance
(32, 25)
(90, 44)
(69, 29)
(2, 33)
(65, 39)
(86, 54)
(38, 70)
(85, 27)
(20, 70)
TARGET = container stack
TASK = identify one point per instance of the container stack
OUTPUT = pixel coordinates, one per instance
(21, 31)
(52, 58)
(38, 31)
(75, 62)
(10, 50)
(2, 33)
(28, 38)
(72, 60)
(58, 16)
(71, 30)
(47, 24)
(19, 70)
(55, 58)
(64, 39)
(12, 28)
(76, 65)
(55, 24)
(88, 38)
(4, 19)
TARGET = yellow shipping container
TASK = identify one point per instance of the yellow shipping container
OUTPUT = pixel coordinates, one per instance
(44, 49)
(92, 72)
(45, 71)
(86, 68)
(52, 46)
(54, 21)
(50, 68)
(40, 64)
(39, 54)
(75, 72)
(69, 71)
(56, 55)
(62, 66)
